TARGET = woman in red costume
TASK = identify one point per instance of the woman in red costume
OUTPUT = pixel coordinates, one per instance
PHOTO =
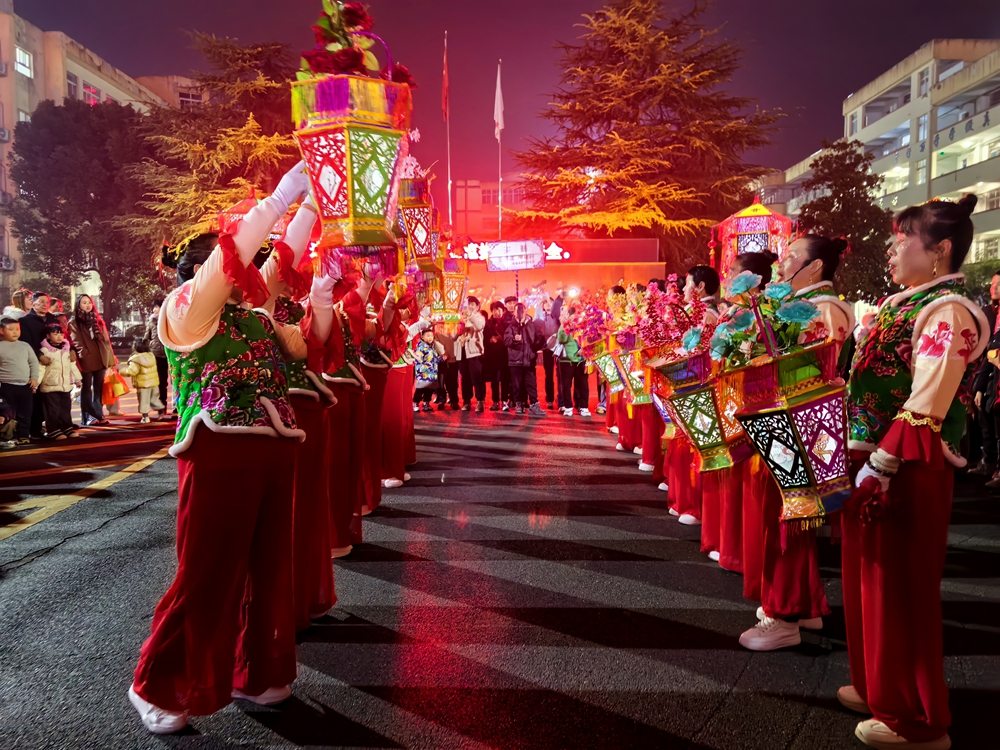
(906, 419)
(225, 628)
(790, 586)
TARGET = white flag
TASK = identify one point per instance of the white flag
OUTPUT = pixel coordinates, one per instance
(498, 107)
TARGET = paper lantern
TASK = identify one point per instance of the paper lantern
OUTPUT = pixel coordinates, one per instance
(352, 134)
(795, 413)
(753, 230)
(630, 372)
(704, 408)
(416, 219)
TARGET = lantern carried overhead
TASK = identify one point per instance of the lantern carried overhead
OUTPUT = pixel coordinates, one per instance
(755, 229)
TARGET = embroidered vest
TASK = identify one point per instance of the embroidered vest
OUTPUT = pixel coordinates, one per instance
(288, 312)
(351, 354)
(881, 376)
(228, 379)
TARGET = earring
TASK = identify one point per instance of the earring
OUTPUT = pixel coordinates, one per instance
(936, 259)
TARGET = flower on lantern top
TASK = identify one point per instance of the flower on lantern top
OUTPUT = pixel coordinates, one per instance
(778, 290)
(742, 321)
(342, 43)
(800, 312)
(743, 283)
(356, 17)
(399, 74)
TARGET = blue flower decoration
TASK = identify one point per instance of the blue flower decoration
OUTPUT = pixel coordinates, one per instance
(742, 320)
(723, 332)
(718, 346)
(744, 282)
(800, 311)
(778, 290)
(691, 339)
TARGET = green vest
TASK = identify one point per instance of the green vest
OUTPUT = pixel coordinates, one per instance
(881, 374)
(227, 380)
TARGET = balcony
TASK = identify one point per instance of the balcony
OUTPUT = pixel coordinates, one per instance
(986, 222)
(967, 179)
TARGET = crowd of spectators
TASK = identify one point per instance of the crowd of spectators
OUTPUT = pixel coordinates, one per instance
(48, 358)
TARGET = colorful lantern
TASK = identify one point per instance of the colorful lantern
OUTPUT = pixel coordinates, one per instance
(703, 407)
(352, 134)
(416, 213)
(755, 229)
(795, 413)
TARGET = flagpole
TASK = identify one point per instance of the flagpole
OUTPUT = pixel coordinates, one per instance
(499, 170)
(451, 220)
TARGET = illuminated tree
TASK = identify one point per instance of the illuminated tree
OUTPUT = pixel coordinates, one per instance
(842, 178)
(208, 157)
(646, 142)
(72, 165)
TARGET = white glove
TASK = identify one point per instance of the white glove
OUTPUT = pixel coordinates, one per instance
(321, 292)
(868, 471)
(389, 303)
(293, 186)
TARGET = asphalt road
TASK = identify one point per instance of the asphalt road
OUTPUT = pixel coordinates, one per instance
(526, 589)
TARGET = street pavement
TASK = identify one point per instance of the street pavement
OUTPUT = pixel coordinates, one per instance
(526, 589)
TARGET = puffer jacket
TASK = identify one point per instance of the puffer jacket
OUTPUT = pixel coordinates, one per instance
(142, 367)
(521, 353)
(471, 338)
(153, 338)
(61, 374)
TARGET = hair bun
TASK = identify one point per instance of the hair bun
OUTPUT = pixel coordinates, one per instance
(968, 202)
(167, 258)
(769, 256)
(841, 245)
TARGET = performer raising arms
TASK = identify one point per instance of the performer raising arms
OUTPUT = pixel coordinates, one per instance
(790, 588)
(906, 418)
(225, 627)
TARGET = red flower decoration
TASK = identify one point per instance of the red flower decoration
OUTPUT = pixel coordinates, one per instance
(349, 60)
(323, 37)
(320, 60)
(935, 345)
(356, 17)
(400, 74)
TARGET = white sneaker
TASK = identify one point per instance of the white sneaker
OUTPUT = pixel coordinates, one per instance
(269, 697)
(666, 488)
(770, 634)
(876, 734)
(673, 512)
(621, 448)
(713, 555)
(157, 720)
(341, 551)
(645, 467)
(585, 412)
(613, 430)
(416, 408)
(809, 623)
(688, 520)
(567, 412)
(392, 483)
(637, 450)
(144, 420)
(406, 477)
(850, 698)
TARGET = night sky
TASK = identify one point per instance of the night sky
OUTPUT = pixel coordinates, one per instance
(801, 56)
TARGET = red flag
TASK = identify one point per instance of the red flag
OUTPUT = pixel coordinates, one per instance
(444, 82)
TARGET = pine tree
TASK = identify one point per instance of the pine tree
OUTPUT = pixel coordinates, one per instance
(842, 176)
(646, 142)
(209, 157)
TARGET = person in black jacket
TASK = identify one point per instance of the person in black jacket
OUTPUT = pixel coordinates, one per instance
(523, 344)
(33, 333)
(496, 372)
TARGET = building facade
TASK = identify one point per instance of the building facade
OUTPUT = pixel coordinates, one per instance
(932, 123)
(37, 65)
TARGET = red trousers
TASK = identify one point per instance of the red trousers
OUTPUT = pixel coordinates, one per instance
(629, 428)
(396, 405)
(651, 425)
(755, 478)
(712, 483)
(892, 571)
(611, 409)
(372, 465)
(409, 434)
(314, 592)
(684, 480)
(791, 585)
(346, 443)
(731, 516)
(227, 619)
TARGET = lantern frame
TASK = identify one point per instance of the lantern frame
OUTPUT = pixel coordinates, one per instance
(755, 228)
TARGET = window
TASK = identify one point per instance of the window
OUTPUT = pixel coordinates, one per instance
(110, 99)
(924, 82)
(23, 62)
(23, 116)
(922, 127)
(991, 201)
(854, 123)
(922, 172)
(72, 86)
(988, 248)
(189, 99)
(91, 94)
(992, 149)
(904, 139)
(995, 98)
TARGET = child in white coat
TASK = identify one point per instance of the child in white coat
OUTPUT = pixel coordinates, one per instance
(56, 383)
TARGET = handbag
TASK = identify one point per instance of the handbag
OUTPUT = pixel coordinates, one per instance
(114, 387)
